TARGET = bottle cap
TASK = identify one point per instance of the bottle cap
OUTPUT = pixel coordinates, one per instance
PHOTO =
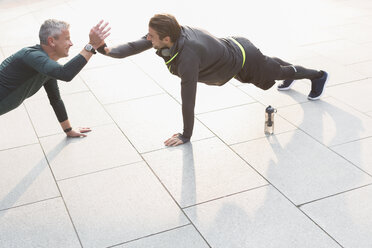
(270, 109)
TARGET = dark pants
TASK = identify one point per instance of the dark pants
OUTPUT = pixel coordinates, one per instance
(262, 71)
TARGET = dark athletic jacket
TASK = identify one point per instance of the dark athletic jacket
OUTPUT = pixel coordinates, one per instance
(197, 56)
(26, 71)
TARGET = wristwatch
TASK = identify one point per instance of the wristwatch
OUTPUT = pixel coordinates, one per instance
(89, 48)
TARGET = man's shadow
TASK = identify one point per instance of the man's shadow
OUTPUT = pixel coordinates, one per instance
(330, 125)
(188, 183)
(10, 200)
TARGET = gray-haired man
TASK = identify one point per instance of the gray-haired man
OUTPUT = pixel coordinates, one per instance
(25, 72)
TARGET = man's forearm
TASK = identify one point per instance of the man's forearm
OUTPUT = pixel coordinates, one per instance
(127, 49)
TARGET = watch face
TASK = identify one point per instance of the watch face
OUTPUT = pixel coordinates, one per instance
(88, 47)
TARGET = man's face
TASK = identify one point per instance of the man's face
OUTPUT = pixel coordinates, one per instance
(157, 43)
(62, 44)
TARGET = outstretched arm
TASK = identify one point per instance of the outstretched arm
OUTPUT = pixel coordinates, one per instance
(126, 49)
(188, 71)
(45, 65)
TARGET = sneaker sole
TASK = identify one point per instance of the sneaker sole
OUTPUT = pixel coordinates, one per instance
(286, 88)
(316, 98)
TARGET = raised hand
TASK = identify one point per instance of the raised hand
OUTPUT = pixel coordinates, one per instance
(98, 34)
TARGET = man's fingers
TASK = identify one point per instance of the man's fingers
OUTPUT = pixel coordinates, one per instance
(106, 31)
(178, 142)
(98, 24)
(84, 130)
(104, 26)
(174, 141)
(105, 36)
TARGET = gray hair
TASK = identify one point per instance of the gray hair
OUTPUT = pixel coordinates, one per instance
(51, 28)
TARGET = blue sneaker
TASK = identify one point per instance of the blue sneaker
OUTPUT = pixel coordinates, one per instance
(286, 84)
(317, 87)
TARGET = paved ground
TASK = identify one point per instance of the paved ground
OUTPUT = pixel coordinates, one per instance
(309, 185)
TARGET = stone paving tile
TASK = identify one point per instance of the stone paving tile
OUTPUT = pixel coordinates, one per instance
(183, 237)
(16, 129)
(329, 121)
(364, 68)
(42, 224)
(300, 167)
(83, 110)
(26, 178)
(69, 157)
(154, 67)
(362, 89)
(148, 122)
(343, 51)
(210, 98)
(193, 175)
(119, 83)
(119, 205)
(358, 153)
(10, 11)
(353, 32)
(258, 218)
(337, 72)
(27, 36)
(241, 123)
(76, 85)
(297, 94)
(346, 217)
(56, 10)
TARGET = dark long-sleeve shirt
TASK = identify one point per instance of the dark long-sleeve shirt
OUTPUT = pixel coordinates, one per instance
(197, 56)
(26, 71)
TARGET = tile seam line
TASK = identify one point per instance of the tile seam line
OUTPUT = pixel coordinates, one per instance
(55, 181)
(98, 171)
(334, 195)
(150, 235)
(228, 195)
(30, 203)
(17, 147)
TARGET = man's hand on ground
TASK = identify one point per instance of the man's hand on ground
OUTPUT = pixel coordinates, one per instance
(79, 132)
(173, 141)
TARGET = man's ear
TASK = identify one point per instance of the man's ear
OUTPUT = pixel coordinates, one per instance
(167, 39)
(51, 42)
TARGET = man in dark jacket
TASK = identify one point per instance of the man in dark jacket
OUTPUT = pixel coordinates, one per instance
(25, 72)
(197, 56)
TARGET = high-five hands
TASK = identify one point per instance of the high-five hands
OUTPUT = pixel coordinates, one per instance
(98, 34)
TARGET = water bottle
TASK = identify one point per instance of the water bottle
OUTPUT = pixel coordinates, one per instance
(269, 120)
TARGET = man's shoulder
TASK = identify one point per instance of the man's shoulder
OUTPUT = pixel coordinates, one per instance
(33, 49)
(33, 53)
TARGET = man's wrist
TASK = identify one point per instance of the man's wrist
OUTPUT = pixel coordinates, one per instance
(101, 49)
(67, 130)
(89, 48)
(183, 138)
